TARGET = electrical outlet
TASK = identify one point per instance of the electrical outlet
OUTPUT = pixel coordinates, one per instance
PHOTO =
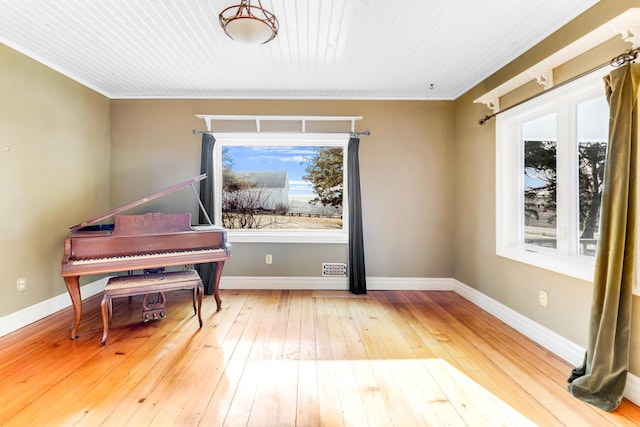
(21, 284)
(268, 259)
(543, 298)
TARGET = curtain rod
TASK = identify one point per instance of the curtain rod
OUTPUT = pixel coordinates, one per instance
(624, 58)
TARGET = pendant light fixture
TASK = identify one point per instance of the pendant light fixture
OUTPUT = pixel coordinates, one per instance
(249, 24)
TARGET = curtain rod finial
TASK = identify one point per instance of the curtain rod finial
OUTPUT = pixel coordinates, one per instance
(358, 134)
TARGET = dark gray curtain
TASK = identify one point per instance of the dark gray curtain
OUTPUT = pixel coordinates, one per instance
(601, 379)
(357, 276)
(207, 270)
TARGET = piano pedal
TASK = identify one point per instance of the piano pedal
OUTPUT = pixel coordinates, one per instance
(148, 315)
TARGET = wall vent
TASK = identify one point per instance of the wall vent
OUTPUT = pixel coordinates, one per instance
(334, 269)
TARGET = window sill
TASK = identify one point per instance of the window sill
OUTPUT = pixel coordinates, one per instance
(269, 236)
(578, 267)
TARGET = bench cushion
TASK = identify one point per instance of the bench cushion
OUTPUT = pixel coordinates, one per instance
(172, 279)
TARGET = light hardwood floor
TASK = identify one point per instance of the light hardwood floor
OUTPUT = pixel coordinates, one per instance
(290, 358)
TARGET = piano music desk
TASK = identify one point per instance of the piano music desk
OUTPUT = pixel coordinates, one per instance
(125, 286)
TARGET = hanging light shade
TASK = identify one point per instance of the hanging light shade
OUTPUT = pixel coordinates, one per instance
(249, 24)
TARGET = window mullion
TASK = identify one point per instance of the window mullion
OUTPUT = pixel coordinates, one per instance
(565, 181)
(217, 190)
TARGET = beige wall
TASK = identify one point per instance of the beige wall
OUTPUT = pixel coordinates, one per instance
(407, 181)
(54, 172)
(475, 262)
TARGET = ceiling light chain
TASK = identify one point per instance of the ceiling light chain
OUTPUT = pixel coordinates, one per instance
(250, 24)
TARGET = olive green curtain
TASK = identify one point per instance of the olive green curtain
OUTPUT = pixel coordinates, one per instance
(357, 275)
(207, 270)
(601, 379)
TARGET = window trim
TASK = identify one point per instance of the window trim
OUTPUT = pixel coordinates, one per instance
(509, 179)
(281, 139)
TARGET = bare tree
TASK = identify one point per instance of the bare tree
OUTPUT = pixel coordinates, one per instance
(243, 206)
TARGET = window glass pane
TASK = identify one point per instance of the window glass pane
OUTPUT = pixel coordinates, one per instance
(282, 187)
(539, 201)
(592, 120)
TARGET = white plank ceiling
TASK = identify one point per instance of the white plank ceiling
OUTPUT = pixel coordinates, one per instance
(325, 49)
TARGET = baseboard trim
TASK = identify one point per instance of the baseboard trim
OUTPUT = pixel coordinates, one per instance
(545, 337)
(334, 283)
(409, 284)
(632, 388)
(14, 321)
(557, 344)
(282, 282)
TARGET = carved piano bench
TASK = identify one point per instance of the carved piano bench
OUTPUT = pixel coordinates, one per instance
(126, 286)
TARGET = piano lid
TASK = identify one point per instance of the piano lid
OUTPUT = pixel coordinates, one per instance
(139, 202)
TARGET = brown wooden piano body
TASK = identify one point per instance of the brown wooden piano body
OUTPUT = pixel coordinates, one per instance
(137, 242)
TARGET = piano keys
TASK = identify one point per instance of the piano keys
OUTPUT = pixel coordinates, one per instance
(137, 242)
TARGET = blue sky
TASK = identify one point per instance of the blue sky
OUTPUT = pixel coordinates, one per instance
(531, 180)
(275, 158)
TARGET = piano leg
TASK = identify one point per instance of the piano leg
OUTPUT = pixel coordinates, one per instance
(73, 287)
(216, 284)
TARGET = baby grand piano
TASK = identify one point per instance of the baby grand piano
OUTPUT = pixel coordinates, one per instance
(137, 242)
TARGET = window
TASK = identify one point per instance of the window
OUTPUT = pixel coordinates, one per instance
(550, 155)
(540, 182)
(286, 187)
